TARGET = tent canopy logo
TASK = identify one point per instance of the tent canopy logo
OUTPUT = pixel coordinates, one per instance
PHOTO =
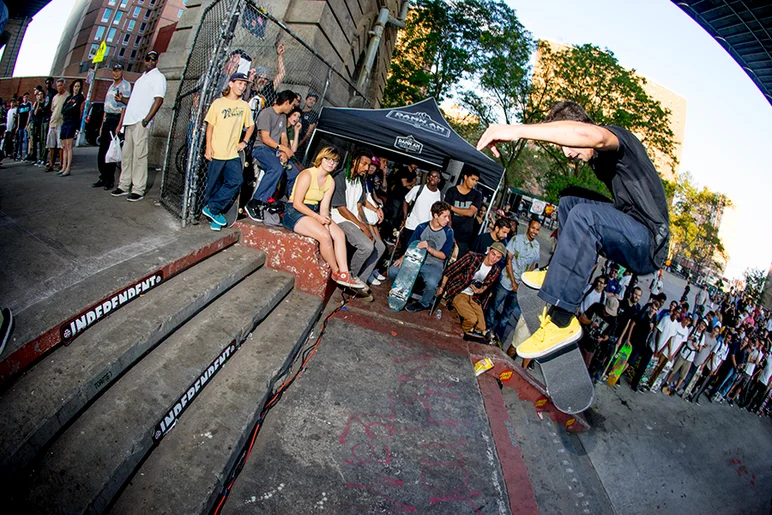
(420, 121)
(409, 144)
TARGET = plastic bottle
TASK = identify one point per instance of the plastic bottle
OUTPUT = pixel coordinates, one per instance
(438, 314)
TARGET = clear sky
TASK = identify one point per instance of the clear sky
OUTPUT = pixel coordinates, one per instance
(728, 121)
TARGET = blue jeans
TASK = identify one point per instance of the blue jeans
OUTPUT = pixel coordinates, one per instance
(589, 227)
(431, 274)
(273, 172)
(21, 143)
(726, 384)
(223, 181)
(503, 312)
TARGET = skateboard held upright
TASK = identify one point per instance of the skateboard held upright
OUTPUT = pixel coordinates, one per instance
(408, 273)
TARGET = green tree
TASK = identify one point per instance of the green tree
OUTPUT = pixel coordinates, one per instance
(587, 75)
(755, 284)
(693, 224)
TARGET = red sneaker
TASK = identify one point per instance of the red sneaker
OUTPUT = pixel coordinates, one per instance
(345, 279)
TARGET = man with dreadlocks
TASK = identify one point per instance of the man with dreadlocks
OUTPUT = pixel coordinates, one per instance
(347, 203)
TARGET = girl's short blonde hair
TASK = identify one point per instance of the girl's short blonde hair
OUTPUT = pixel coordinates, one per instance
(329, 153)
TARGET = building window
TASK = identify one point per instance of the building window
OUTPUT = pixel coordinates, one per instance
(121, 52)
(152, 2)
(184, 2)
(100, 32)
(147, 13)
(142, 27)
(136, 41)
(111, 2)
(133, 54)
(111, 34)
(179, 13)
(131, 25)
(124, 3)
(136, 12)
(92, 51)
(106, 15)
(126, 38)
(118, 17)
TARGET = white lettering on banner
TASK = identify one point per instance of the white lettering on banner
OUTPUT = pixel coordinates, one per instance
(170, 420)
(421, 121)
(408, 144)
(71, 329)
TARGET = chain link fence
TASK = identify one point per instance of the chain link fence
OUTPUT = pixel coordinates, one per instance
(238, 35)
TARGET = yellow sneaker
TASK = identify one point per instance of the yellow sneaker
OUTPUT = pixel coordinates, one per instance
(548, 337)
(534, 279)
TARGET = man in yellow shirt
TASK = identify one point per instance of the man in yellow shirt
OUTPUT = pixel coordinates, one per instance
(226, 119)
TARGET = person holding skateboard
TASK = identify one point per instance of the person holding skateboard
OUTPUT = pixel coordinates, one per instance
(632, 230)
(227, 118)
(436, 237)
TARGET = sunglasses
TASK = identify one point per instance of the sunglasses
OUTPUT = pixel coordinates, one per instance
(151, 59)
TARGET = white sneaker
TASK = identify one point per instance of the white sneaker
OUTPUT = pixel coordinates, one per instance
(374, 282)
(379, 276)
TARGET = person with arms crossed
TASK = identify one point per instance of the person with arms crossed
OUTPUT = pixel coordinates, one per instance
(145, 101)
(465, 201)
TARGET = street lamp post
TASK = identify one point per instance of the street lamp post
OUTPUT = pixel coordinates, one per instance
(81, 141)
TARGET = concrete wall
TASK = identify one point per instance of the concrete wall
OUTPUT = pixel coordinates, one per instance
(337, 29)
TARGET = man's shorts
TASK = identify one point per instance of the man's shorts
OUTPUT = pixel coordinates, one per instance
(52, 139)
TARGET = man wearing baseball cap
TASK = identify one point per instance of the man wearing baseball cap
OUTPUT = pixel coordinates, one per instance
(226, 119)
(145, 101)
(112, 116)
(468, 282)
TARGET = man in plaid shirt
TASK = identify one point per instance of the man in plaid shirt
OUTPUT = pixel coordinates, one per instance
(468, 283)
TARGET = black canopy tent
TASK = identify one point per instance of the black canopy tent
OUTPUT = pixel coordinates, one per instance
(418, 132)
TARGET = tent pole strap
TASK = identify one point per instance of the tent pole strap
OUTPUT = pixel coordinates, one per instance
(490, 206)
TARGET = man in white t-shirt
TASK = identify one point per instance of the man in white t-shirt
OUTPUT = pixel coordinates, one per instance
(683, 365)
(713, 363)
(762, 385)
(347, 203)
(422, 199)
(593, 294)
(742, 385)
(146, 99)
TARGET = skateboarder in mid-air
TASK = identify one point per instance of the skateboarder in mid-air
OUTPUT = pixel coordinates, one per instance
(632, 230)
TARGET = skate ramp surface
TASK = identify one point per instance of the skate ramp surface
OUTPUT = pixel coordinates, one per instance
(375, 424)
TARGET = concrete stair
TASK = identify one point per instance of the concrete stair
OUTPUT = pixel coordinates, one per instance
(153, 405)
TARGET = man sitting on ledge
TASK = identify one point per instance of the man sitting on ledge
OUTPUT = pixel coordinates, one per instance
(271, 141)
(468, 283)
(437, 238)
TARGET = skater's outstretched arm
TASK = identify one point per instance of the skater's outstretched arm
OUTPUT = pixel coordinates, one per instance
(565, 133)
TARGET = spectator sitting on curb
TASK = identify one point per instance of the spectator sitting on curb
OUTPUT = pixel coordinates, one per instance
(272, 139)
(308, 213)
(347, 211)
(227, 117)
(436, 237)
(468, 283)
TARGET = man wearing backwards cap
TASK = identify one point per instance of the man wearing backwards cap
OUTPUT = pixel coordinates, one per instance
(112, 116)
(468, 282)
(145, 101)
(227, 117)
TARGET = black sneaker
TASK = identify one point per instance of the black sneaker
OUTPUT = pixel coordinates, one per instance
(99, 184)
(414, 306)
(135, 197)
(6, 328)
(108, 187)
(254, 209)
(117, 192)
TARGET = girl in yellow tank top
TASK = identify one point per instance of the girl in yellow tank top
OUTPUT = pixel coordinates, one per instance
(308, 213)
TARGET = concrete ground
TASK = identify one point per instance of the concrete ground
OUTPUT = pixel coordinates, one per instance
(57, 230)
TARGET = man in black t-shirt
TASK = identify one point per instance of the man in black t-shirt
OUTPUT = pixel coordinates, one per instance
(600, 322)
(632, 230)
(308, 119)
(464, 201)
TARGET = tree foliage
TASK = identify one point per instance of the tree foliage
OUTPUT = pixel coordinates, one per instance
(755, 284)
(694, 224)
(438, 48)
